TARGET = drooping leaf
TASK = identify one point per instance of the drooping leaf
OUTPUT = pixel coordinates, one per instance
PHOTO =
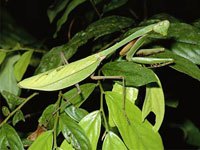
(113, 4)
(66, 146)
(7, 78)
(5, 111)
(63, 76)
(112, 141)
(134, 74)
(95, 30)
(154, 102)
(44, 141)
(76, 113)
(55, 8)
(73, 133)
(2, 56)
(19, 116)
(71, 6)
(22, 64)
(11, 99)
(86, 90)
(9, 138)
(91, 124)
(135, 133)
(181, 64)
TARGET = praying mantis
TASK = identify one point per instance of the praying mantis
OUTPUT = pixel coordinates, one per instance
(70, 74)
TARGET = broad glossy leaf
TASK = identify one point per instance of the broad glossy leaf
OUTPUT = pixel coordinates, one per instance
(76, 113)
(2, 56)
(113, 4)
(136, 134)
(105, 26)
(181, 64)
(73, 133)
(112, 142)
(55, 8)
(9, 138)
(22, 64)
(63, 76)
(86, 90)
(134, 74)
(7, 77)
(44, 141)
(11, 99)
(71, 6)
(154, 102)
(66, 146)
(91, 124)
(19, 116)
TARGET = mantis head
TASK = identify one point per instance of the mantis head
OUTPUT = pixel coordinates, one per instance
(162, 27)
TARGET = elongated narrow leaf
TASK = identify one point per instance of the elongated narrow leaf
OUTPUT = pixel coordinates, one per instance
(134, 74)
(66, 146)
(7, 77)
(44, 141)
(73, 133)
(22, 64)
(135, 133)
(91, 124)
(9, 138)
(71, 6)
(154, 102)
(63, 76)
(86, 90)
(181, 64)
(18, 117)
(112, 141)
(2, 57)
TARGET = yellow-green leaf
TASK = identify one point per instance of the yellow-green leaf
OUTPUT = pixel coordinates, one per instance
(66, 146)
(2, 56)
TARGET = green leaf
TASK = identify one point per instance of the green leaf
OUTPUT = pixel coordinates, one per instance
(187, 39)
(113, 4)
(181, 64)
(5, 111)
(172, 103)
(91, 124)
(76, 113)
(73, 133)
(155, 102)
(134, 74)
(136, 134)
(95, 30)
(86, 90)
(63, 76)
(54, 9)
(44, 141)
(71, 6)
(196, 23)
(112, 141)
(7, 78)
(11, 99)
(66, 146)
(22, 64)
(2, 56)
(9, 138)
(19, 116)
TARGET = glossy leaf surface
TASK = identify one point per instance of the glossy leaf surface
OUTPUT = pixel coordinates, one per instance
(76, 113)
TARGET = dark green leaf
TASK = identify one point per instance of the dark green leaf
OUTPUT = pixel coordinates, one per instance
(181, 64)
(97, 29)
(2, 56)
(136, 134)
(12, 99)
(196, 23)
(22, 64)
(91, 124)
(86, 90)
(55, 8)
(113, 4)
(73, 133)
(44, 141)
(5, 110)
(18, 117)
(7, 77)
(9, 138)
(134, 74)
(112, 142)
(76, 113)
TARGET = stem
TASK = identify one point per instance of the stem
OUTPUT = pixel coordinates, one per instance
(22, 49)
(18, 108)
(96, 10)
(56, 122)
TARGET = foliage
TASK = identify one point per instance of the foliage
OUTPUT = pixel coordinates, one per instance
(122, 119)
